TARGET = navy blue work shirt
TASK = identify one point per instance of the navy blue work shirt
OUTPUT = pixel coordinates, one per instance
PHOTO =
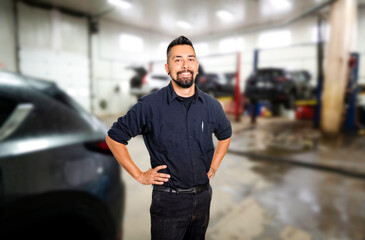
(176, 136)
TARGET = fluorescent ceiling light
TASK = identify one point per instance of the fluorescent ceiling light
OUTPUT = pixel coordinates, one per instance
(121, 3)
(183, 24)
(272, 7)
(224, 15)
(281, 4)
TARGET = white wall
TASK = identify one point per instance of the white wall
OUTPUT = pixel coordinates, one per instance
(299, 51)
(7, 36)
(54, 46)
(110, 63)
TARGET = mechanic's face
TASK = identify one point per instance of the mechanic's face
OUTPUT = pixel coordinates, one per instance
(182, 65)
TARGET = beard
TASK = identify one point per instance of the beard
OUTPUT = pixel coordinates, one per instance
(184, 82)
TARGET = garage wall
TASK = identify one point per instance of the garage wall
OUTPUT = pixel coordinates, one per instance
(299, 52)
(293, 47)
(111, 61)
(7, 36)
(54, 46)
(299, 49)
(215, 54)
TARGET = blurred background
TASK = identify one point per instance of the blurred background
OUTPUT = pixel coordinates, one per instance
(288, 73)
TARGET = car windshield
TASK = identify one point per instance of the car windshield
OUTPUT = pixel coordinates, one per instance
(50, 89)
(220, 78)
(6, 108)
(271, 73)
(298, 76)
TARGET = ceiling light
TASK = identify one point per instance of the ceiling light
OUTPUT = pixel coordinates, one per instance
(183, 24)
(121, 3)
(281, 4)
(273, 7)
(224, 15)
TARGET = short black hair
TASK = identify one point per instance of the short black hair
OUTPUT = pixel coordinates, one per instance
(182, 40)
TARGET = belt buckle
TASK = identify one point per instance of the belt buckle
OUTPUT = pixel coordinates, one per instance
(184, 191)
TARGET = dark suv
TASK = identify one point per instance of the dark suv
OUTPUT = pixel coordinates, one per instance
(217, 84)
(58, 179)
(278, 86)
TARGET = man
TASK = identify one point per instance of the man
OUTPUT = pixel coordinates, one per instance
(177, 123)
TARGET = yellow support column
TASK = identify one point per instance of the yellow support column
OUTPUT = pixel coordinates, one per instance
(341, 44)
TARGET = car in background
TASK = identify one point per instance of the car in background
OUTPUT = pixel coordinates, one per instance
(217, 84)
(302, 79)
(58, 179)
(139, 73)
(278, 86)
(143, 83)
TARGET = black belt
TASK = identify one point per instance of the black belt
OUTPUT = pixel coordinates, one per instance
(193, 190)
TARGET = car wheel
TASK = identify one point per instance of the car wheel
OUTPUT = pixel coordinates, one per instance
(276, 109)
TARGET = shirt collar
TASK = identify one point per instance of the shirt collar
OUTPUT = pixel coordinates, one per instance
(172, 94)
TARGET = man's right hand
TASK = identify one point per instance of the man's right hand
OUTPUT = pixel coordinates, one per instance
(152, 176)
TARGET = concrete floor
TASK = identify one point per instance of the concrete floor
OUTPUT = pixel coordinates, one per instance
(278, 181)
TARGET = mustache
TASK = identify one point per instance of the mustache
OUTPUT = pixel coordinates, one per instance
(191, 72)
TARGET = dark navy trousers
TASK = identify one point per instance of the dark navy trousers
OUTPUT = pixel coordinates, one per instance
(180, 216)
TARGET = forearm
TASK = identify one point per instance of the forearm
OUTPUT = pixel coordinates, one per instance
(219, 153)
(121, 154)
(151, 176)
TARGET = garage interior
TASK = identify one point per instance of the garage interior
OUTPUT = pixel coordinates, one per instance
(295, 169)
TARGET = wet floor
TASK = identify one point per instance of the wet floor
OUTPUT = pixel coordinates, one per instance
(300, 143)
(262, 200)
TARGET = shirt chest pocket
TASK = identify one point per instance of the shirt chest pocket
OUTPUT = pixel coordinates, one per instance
(168, 135)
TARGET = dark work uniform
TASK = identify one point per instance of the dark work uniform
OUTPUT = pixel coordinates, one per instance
(177, 133)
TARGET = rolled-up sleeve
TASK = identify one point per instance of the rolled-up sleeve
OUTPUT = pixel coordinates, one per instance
(223, 129)
(129, 125)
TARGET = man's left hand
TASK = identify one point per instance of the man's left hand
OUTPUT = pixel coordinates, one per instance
(211, 173)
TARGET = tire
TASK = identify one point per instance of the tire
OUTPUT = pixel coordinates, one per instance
(275, 109)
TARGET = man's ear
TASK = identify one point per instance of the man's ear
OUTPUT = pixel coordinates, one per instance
(167, 69)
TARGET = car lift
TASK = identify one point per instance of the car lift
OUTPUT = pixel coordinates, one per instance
(255, 106)
(351, 121)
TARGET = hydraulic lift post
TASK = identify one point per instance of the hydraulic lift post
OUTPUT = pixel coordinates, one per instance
(352, 89)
